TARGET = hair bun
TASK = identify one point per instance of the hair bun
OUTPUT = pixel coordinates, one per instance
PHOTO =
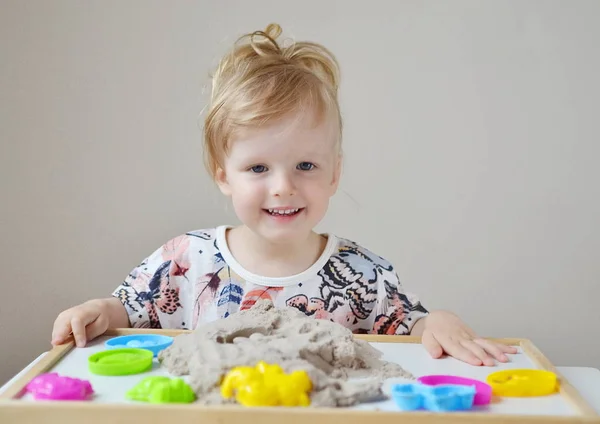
(273, 30)
(264, 42)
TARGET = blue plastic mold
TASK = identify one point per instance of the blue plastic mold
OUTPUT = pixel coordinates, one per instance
(448, 397)
(408, 396)
(152, 342)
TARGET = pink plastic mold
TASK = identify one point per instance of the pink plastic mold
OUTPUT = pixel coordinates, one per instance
(52, 386)
(483, 391)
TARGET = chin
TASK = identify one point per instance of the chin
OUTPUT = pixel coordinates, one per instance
(283, 235)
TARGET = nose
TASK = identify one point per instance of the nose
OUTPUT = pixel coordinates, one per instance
(282, 185)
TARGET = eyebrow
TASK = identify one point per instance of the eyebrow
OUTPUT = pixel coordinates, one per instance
(257, 157)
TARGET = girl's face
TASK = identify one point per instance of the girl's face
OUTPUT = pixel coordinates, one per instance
(281, 177)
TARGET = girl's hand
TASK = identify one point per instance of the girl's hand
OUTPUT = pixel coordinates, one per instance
(444, 332)
(89, 320)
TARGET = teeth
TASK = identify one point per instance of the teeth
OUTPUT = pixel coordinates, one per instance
(283, 212)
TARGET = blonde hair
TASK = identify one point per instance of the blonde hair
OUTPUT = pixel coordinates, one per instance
(261, 80)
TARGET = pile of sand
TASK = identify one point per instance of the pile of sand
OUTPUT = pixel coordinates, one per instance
(327, 351)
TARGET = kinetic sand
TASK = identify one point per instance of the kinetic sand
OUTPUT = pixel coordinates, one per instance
(327, 351)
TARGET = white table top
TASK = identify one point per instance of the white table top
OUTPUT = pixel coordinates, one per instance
(585, 380)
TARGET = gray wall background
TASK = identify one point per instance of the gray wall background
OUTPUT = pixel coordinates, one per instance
(471, 148)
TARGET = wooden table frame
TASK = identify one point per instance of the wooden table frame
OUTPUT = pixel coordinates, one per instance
(14, 410)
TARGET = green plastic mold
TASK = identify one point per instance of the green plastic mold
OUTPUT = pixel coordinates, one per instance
(158, 389)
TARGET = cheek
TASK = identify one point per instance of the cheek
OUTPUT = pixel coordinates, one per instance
(318, 188)
(246, 195)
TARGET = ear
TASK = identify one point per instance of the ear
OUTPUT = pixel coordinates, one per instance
(221, 180)
(337, 173)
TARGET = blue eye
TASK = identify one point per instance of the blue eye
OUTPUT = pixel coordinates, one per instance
(258, 169)
(305, 166)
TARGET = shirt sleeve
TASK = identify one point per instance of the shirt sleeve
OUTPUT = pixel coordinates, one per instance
(397, 310)
(150, 293)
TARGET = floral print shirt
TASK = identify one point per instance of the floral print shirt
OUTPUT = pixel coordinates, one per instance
(194, 279)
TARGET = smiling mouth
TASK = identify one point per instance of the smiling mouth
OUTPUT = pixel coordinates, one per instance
(284, 212)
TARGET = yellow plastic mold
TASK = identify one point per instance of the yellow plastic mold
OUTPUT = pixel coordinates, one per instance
(266, 385)
(523, 383)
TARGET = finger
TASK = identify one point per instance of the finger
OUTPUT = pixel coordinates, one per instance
(506, 348)
(467, 332)
(61, 330)
(78, 328)
(479, 351)
(456, 350)
(96, 328)
(431, 345)
(497, 350)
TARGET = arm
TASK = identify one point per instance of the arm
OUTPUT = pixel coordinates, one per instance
(89, 320)
(115, 311)
(123, 309)
(399, 312)
(418, 327)
(444, 332)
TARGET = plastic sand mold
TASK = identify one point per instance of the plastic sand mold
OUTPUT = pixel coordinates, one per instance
(158, 389)
(483, 391)
(523, 383)
(51, 386)
(120, 361)
(267, 385)
(152, 342)
(446, 397)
